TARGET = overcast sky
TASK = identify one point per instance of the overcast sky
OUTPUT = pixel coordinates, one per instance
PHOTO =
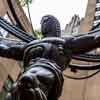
(62, 9)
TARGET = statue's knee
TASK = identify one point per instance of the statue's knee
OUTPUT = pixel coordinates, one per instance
(28, 80)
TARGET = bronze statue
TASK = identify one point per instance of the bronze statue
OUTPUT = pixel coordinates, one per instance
(45, 60)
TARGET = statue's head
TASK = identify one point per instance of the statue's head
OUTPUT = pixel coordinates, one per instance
(50, 26)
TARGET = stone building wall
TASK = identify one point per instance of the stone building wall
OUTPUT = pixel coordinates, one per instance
(87, 23)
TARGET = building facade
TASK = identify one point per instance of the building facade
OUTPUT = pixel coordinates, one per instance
(9, 69)
(97, 14)
(89, 19)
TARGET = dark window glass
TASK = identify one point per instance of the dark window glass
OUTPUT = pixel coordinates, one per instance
(97, 9)
(98, 1)
(97, 18)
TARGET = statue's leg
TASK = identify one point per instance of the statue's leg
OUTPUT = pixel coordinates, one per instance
(39, 79)
(34, 84)
(42, 82)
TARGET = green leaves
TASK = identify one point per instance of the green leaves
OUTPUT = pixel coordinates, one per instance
(38, 34)
(25, 2)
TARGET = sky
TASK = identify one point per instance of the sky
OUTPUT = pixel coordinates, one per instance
(63, 10)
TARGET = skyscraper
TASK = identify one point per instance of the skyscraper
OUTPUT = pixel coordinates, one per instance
(91, 16)
(73, 26)
(97, 14)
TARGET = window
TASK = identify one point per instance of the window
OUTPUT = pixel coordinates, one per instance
(98, 1)
(97, 13)
(97, 18)
(98, 4)
(97, 9)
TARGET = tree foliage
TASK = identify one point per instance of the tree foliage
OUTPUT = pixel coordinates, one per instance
(38, 34)
(25, 2)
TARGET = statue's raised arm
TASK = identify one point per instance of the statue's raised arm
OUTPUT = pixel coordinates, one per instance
(11, 48)
(84, 43)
